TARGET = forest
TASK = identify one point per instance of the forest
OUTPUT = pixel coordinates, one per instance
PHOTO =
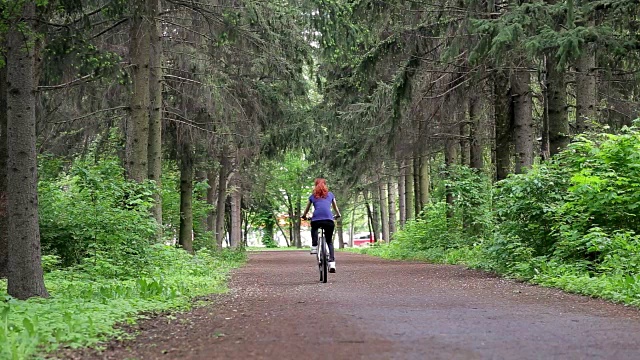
(142, 141)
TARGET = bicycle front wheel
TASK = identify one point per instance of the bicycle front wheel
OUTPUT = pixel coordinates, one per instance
(324, 265)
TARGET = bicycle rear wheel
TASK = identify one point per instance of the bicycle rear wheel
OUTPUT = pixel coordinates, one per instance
(324, 265)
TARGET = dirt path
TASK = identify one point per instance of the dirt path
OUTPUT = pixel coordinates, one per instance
(377, 309)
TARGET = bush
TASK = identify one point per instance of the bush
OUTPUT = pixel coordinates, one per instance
(94, 210)
(86, 303)
(572, 222)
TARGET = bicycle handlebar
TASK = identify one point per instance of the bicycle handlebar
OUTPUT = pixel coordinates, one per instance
(336, 217)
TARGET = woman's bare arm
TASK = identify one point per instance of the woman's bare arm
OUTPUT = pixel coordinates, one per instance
(335, 207)
(306, 210)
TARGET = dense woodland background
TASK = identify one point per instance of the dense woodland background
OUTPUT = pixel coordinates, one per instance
(497, 133)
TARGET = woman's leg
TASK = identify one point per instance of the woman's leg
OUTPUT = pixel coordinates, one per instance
(314, 232)
(329, 226)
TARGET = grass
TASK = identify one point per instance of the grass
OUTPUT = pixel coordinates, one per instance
(84, 307)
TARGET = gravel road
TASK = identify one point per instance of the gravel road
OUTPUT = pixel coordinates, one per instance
(378, 309)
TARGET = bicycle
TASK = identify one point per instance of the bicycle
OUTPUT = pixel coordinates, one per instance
(322, 255)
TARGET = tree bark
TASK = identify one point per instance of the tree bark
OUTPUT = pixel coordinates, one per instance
(185, 238)
(402, 193)
(353, 218)
(393, 194)
(373, 212)
(235, 237)
(586, 89)
(544, 145)
(465, 151)
(409, 191)
(222, 198)
(384, 209)
(235, 193)
(557, 107)
(503, 126)
(4, 245)
(298, 213)
(154, 150)
(425, 181)
(450, 156)
(475, 148)
(340, 235)
(417, 206)
(138, 125)
(25, 278)
(524, 131)
(201, 176)
(212, 191)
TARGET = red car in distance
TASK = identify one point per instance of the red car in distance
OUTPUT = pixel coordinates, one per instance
(363, 239)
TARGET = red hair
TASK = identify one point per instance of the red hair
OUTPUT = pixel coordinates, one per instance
(320, 189)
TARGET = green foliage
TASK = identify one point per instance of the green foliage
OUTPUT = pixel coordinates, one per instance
(92, 210)
(86, 304)
(570, 223)
(525, 206)
(472, 194)
(171, 207)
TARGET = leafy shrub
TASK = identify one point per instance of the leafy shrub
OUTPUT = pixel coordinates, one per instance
(85, 306)
(91, 210)
(526, 204)
(605, 182)
(472, 191)
(572, 222)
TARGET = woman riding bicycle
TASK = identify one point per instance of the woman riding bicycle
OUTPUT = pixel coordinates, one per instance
(322, 200)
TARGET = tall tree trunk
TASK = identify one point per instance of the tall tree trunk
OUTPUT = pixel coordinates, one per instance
(393, 194)
(586, 89)
(503, 126)
(353, 218)
(291, 222)
(425, 181)
(409, 192)
(384, 209)
(523, 120)
(296, 223)
(544, 145)
(557, 107)
(402, 193)
(417, 206)
(236, 212)
(465, 151)
(185, 238)
(417, 203)
(4, 245)
(154, 150)
(245, 227)
(222, 198)
(25, 278)
(450, 156)
(373, 212)
(212, 191)
(340, 234)
(138, 124)
(201, 176)
(475, 148)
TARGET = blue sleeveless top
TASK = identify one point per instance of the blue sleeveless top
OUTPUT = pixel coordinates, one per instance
(322, 207)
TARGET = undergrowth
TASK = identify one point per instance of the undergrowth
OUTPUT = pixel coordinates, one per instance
(85, 305)
(572, 223)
